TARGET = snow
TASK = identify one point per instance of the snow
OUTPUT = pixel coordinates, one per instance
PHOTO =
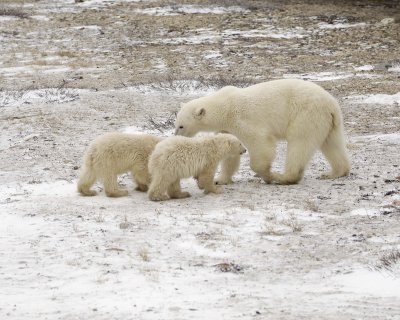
(17, 98)
(320, 76)
(268, 32)
(364, 68)
(373, 283)
(189, 9)
(395, 68)
(341, 25)
(384, 99)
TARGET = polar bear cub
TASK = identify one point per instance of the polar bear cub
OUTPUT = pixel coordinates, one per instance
(298, 111)
(179, 157)
(112, 154)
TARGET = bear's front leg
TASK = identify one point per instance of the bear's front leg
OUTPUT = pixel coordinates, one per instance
(206, 180)
(228, 168)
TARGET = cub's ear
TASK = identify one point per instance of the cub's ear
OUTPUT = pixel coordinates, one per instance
(199, 113)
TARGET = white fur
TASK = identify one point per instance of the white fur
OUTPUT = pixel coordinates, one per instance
(178, 157)
(112, 154)
(301, 112)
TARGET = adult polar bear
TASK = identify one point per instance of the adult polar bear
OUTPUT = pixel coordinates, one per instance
(301, 112)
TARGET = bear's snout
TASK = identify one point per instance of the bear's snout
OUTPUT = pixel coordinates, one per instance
(242, 150)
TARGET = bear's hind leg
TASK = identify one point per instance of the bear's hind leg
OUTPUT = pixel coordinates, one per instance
(175, 192)
(158, 187)
(142, 179)
(299, 153)
(335, 152)
(85, 182)
(111, 187)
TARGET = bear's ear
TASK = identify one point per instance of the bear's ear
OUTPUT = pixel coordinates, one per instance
(199, 113)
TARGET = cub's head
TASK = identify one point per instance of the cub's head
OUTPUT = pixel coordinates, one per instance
(190, 119)
(233, 147)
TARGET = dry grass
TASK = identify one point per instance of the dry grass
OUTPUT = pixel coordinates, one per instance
(161, 124)
(311, 205)
(277, 227)
(12, 12)
(389, 261)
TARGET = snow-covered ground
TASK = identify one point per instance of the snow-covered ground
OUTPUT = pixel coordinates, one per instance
(322, 249)
(257, 249)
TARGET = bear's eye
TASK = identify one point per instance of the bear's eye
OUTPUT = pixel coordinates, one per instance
(180, 127)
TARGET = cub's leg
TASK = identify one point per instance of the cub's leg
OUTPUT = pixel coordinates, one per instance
(142, 178)
(228, 168)
(158, 187)
(111, 187)
(175, 192)
(86, 181)
(206, 180)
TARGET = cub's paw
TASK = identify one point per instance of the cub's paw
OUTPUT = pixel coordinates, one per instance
(181, 195)
(158, 197)
(116, 193)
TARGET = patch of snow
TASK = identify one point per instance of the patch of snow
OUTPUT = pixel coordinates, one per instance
(369, 282)
(321, 76)
(364, 212)
(324, 25)
(7, 18)
(40, 17)
(216, 58)
(187, 87)
(364, 68)
(212, 54)
(394, 68)
(189, 9)
(390, 137)
(269, 32)
(376, 99)
(49, 95)
(141, 130)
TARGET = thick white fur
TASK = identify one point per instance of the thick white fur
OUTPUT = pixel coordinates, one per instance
(301, 112)
(112, 154)
(178, 157)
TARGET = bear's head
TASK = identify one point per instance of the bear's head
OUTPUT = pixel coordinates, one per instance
(191, 119)
(231, 145)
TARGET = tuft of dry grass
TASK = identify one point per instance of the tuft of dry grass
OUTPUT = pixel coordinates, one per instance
(311, 205)
(162, 124)
(274, 226)
(11, 12)
(292, 223)
(389, 261)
